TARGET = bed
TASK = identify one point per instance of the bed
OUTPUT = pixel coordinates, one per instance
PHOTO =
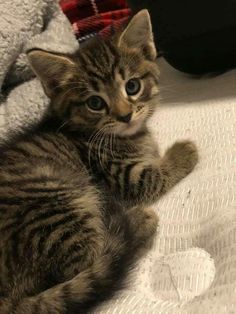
(192, 265)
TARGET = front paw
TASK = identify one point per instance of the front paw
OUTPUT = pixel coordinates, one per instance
(183, 157)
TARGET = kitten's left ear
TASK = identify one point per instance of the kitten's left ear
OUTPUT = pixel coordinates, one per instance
(52, 69)
(138, 34)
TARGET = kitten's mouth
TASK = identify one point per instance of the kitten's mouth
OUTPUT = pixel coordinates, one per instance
(131, 128)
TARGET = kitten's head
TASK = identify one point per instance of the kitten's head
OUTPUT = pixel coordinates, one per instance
(108, 84)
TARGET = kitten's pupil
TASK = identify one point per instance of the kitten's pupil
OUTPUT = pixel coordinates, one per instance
(96, 103)
(133, 87)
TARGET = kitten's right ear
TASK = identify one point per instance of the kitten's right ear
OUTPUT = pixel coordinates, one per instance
(138, 34)
(52, 69)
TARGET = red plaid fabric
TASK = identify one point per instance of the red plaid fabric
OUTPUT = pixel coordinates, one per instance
(91, 17)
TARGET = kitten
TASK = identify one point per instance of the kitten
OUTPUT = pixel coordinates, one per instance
(75, 191)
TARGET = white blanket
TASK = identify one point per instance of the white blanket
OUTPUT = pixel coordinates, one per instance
(192, 266)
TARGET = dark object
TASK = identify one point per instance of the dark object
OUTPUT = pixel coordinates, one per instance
(194, 36)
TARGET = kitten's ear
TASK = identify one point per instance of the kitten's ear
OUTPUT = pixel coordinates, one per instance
(52, 69)
(138, 34)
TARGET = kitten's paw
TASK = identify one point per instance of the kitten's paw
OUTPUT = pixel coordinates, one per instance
(144, 222)
(150, 223)
(183, 156)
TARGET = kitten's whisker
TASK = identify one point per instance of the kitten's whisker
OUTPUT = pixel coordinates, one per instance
(100, 145)
(80, 93)
(112, 137)
(64, 85)
(68, 91)
(78, 82)
(90, 142)
(110, 144)
(63, 124)
(106, 147)
(94, 139)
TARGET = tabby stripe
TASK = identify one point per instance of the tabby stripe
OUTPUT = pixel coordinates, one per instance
(113, 70)
(19, 181)
(15, 306)
(68, 234)
(115, 63)
(163, 186)
(10, 201)
(117, 177)
(15, 171)
(55, 190)
(145, 97)
(82, 61)
(43, 242)
(69, 304)
(8, 262)
(22, 216)
(72, 262)
(109, 164)
(122, 73)
(21, 151)
(74, 248)
(22, 198)
(41, 217)
(95, 75)
(47, 230)
(141, 186)
(150, 75)
(39, 145)
(106, 179)
(151, 180)
(59, 201)
(95, 62)
(36, 308)
(126, 179)
(158, 183)
(114, 53)
(58, 145)
(33, 221)
(106, 54)
(94, 85)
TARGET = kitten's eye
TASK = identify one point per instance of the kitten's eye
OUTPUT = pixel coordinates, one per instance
(95, 103)
(132, 87)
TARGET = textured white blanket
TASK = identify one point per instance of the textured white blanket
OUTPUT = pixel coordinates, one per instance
(192, 266)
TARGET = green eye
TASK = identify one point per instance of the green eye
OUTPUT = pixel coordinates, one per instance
(132, 87)
(95, 103)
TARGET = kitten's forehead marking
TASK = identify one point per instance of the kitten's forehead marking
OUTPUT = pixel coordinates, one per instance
(120, 82)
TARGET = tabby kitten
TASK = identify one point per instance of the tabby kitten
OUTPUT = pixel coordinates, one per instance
(74, 191)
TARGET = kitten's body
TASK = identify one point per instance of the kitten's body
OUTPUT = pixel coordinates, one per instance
(73, 197)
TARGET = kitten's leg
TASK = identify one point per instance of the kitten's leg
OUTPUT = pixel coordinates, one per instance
(146, 180)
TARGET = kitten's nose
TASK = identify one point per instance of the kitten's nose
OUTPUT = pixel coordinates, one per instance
(125, 118)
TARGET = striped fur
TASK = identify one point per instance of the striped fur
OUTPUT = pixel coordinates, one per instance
(74, 191)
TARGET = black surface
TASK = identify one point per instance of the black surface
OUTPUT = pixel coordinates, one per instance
(194, 36)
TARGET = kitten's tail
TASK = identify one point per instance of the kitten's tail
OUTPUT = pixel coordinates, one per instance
(88, 288)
